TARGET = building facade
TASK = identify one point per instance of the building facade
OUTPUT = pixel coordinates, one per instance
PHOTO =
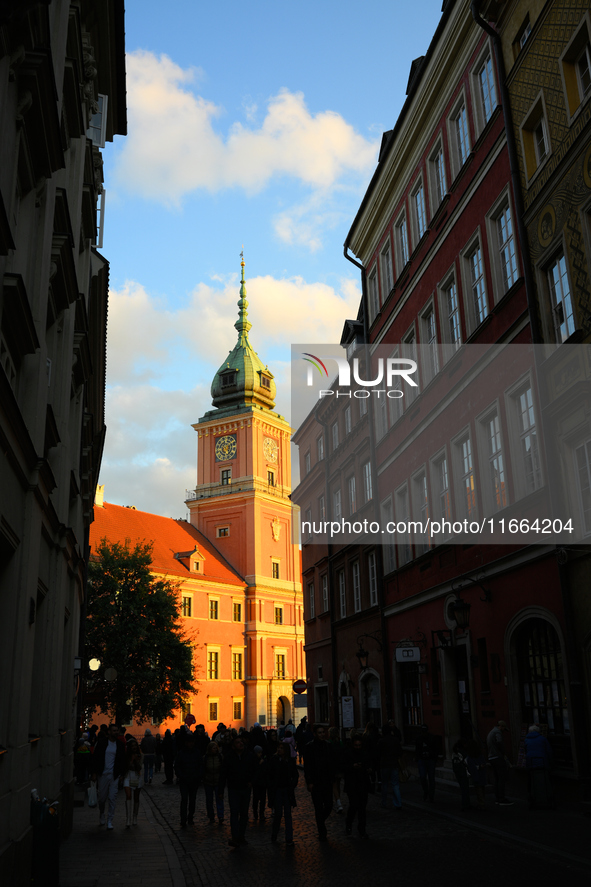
(444, 259)
(62, 94)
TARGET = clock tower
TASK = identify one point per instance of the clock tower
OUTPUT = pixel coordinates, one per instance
(241, 503)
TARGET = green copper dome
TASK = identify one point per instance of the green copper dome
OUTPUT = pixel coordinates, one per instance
(243, 380)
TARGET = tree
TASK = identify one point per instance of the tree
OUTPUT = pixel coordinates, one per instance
(134, 626)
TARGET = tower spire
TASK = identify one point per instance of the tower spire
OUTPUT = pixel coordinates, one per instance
(242, 324)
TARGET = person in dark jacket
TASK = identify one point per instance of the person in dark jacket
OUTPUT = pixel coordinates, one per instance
(237, 773)
(188, 766)
(168, 757)
(357, 767)
(460, 767)
(427, 754)
(319, 775)
(538, 759)
(389, 752)
(148, 748)
(212, 774)
(109, 765)
(260, 782)
(283, 778)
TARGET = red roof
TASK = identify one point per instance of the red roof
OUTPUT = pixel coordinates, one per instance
(169, 537)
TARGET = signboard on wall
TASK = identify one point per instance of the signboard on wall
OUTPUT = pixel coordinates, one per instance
(408, 654)
(347, 712)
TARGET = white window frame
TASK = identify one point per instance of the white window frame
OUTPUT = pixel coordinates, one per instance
(430, 349)
(352, 491)
(474, 282)
(459, 135)
(373, 579)
(324, 580)
(311, 601)
(561, 302)
(342, 593)
(401, 243)
(503, 253)
(418, 211)
(450, 314)
(363, 406)
(437, 176)
(484, 94)
(367, 482)
(441, 487)
(356, 578)
(493, 464)
(322, 508)
(386, 271)
(536, 116)
(381, 414)
(464, 474)
(320, 448)
(334, 435)
(579, 46)
(348, 420)
(307, 463)
(97, 129)
(524, 437)
(337, 506)
(373, 295)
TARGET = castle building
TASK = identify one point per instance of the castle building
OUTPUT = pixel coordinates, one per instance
(235, 560)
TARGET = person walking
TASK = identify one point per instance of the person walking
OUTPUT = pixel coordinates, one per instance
(212, 773)
(337, 749)
(319, 776)
(108, 763)
(500, 765)
(188, 767)
(168, 758)
(237, 772)
(538, 760)
(260, 782)
(148, 748)
(357, 766)
(132, 781)
(460, 768)
(389, 752)
(476, 764)
(427, 754)
(283, 778)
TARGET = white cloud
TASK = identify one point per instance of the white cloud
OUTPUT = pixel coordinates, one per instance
(159, 382)
(173, 149)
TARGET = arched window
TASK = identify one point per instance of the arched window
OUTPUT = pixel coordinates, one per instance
(542, 685)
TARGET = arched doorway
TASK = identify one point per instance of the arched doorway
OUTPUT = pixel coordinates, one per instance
(283, 710)
(371, 698)
(542, 685)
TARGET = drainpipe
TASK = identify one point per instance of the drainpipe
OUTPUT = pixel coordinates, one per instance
(577, 703)
(372, 450)
(515, 176)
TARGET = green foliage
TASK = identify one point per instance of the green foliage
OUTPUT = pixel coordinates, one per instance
(134, 625)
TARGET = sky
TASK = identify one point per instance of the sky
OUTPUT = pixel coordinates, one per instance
(250, 126)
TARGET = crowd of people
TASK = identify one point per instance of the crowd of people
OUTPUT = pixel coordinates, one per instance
(258, 768)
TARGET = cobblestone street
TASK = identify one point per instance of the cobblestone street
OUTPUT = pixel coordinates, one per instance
(413, 844)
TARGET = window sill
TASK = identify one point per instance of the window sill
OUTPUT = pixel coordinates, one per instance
(462, 172)
(440, 213)
(506, 297)
(481, 326)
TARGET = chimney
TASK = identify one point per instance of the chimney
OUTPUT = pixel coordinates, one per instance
(99, 497)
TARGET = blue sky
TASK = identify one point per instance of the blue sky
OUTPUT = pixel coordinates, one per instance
(248, 124)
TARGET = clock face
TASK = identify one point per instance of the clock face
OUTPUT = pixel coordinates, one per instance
(270, 449)
(225, 448)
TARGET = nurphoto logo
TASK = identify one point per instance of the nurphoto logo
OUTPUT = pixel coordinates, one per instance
(390, 370)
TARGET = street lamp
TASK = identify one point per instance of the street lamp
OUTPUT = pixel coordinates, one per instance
(363, 656)
(460, 611)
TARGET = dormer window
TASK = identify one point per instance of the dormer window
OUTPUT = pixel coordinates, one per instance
(229, 379)
(265, 381)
